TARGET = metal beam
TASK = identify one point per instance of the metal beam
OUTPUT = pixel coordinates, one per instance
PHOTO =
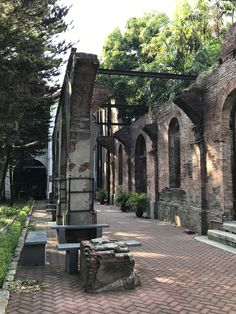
(111, 123)
(122, 106)
(148, 74)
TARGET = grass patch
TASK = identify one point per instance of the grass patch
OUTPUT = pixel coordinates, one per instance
(26, 286)
(12, 221)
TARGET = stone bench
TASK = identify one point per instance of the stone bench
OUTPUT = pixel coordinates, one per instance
(71, 259)
(34, 248)
(77, 233)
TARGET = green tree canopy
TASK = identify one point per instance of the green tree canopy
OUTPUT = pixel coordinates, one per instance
(187, 44)
(29, 59)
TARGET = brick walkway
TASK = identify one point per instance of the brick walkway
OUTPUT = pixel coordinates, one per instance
(179, 274)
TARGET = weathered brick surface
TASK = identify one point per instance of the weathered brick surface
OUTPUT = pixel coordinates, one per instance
(179, 275)
(182, 205)
(206, 118)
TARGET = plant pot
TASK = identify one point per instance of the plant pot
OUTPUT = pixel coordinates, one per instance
(139, 212)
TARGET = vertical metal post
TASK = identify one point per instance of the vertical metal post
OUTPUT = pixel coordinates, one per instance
(69, 192)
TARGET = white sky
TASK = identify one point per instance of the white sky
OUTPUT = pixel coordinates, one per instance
(94, 20)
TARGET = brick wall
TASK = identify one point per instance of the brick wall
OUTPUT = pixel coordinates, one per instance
(205, 113)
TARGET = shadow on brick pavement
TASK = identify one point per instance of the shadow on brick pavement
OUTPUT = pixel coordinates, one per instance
(179, 274)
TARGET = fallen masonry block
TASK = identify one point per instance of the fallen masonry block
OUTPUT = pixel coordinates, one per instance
(107, 266)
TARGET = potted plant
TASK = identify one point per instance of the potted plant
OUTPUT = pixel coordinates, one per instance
(101, 195)
(138, 202)
(121, 200)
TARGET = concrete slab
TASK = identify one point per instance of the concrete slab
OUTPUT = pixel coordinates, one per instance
(179, 274)
(230, 226)
(218, 245)
(223, 237)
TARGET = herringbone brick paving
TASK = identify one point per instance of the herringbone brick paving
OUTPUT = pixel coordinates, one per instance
(179, 274)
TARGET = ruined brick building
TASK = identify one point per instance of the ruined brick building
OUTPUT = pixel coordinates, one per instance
(183, 153)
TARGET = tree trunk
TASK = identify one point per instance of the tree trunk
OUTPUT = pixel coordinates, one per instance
(17, 172)
(4, 169)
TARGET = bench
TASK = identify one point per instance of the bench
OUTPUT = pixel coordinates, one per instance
(78, 233)
(34, 248)
(71, 259)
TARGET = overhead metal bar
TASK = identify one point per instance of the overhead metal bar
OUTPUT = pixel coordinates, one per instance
(111, 123)
(148, 74)
(122, 106)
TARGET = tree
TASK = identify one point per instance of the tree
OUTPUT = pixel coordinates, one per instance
(127, 52)
(188, 44)
(29, 58)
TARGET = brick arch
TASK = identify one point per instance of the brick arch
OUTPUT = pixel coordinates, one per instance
(227, 92)
(174, 154)
(140, 165)
(228, 134)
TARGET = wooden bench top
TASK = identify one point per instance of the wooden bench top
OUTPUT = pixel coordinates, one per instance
(36, 237)
(68, 246)
(80, 227)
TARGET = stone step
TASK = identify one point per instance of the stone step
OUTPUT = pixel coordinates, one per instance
(223, 237)
(230, 226)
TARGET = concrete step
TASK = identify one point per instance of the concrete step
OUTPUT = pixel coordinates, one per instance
(223, 237)
(230, 226)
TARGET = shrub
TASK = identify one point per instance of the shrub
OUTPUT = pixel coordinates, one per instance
(7, 211)
(138, 202)
(121, 200)
(9, 238)
(101, 195)
(8, 242)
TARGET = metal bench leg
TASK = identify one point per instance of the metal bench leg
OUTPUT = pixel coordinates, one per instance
(61, 236)
(99, 232)
(71, 261)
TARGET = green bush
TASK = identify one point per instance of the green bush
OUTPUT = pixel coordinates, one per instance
(10, 237)
(138, 202)
(7, 211)
(121, 199)
(8, 242)
(101, 195)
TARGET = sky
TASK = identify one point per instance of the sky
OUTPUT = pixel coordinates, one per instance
(94, 20)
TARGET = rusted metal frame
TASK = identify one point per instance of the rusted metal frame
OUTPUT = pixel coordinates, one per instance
(148, 74)
(112, 123)
(85, 191)
(121, 106)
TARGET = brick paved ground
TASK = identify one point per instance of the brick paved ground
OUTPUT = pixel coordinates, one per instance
(179, 274)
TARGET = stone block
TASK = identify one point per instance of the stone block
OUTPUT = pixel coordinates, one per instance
(107, 266)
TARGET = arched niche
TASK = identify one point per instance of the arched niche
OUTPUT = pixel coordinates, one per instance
(30, 180)
(174, 154)
(140, 165)
(120, 165)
